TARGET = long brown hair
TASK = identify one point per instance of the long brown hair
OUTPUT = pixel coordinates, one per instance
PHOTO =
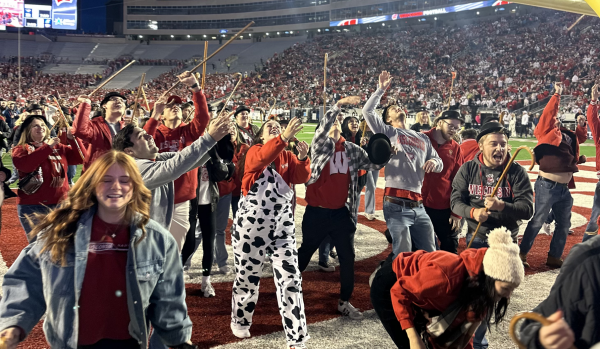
(56, 230)
(26, 134)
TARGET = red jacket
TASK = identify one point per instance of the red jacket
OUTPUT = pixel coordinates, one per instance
(431, 280)
(437, 187)
(170, 140)
(95, 133)
(592, 118)
(237, 180)
(469, 149)
(27, 163)
(259, 156)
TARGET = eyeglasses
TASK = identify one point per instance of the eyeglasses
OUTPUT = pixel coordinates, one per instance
(450, 126)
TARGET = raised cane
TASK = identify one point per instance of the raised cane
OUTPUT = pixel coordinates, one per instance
(512, 159)
(512, 330)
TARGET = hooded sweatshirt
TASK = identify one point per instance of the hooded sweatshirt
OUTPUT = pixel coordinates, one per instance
(431, 281)
(474, 181)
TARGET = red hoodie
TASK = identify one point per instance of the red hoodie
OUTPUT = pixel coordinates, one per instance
(259, 156)
(172, 140)
(431, 280)
(592, 118)
(437, 187)
(469, 149)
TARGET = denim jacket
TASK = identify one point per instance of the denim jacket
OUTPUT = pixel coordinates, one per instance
(35, 285)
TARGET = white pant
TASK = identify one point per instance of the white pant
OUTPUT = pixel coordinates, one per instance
(181, 223)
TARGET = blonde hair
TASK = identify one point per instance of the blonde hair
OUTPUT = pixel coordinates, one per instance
(57, 229)
(26, 134)
(420, 117)
(21, 118)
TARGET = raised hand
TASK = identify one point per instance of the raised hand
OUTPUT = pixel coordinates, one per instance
(353, 100)
(595, 92)
(52, 142)
(302, 148)
(385, 79)
(219, 127)
(558, 86)
(84, 99)
(293, 128)
(187, 78)
(159, 107)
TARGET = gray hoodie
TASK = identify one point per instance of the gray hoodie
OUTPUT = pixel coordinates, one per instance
(159, 175)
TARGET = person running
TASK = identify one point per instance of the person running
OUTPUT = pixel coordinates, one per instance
(265, 221)
(442, 298)
(406, 218)
(100, 269)
(332, 195)
(557, 153)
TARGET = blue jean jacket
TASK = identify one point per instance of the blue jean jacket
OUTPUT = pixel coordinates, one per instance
(35, 285)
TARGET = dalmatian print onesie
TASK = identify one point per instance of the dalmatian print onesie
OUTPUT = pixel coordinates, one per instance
(265, 220)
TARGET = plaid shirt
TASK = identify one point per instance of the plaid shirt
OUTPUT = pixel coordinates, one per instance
(323, 147)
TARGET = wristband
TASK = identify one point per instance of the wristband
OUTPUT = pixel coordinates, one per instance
(194, 85)
(472, 209)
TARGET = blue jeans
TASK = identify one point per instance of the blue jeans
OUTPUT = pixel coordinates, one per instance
(479, 340)
(155, 342)
(370, 191)
(592, 228)
(71, 172)
(410, 228)
(25, 210)
(555, 197)
(222, 220)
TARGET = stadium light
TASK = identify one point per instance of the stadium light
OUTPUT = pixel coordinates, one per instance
(435, 18)
(189, 36)
(249, 34)
(383, 24)
(292, 32)
(277, 33)
(172, 36)
(477, 12)
(319, 30)
(141, 36)
(267, 34)
(214, 37)
(204, 35)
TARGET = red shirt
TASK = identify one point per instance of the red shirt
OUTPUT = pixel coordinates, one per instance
(173, 140)
(54, 166)
(437, 187)
(103, 311)
(259, 156)
(469, 148)
(237, 190)
(331, 189)
(401, 193)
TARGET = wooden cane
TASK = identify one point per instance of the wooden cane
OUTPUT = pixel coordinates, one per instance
(60, 112)
(137, 98)
(451, 86)
(512, 159)
(576, 22)
(204, 65)
(512, 330)
(272, 106)
(145, 100)
(232, 92)
(325, 82)
(112, 77)
(213, 54)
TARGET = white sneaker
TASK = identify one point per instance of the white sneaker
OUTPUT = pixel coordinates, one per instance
(207, 289)
(225, 270)
(370, 216)
(547, 228)
(186, 276)
(327, 269)
(239, 333)
(348, 310)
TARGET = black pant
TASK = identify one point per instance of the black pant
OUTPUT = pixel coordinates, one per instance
(319, 223)
(208, 226)
(190, 238)
(443, 230)
(524, 130)
(112, 344)
(382, 303)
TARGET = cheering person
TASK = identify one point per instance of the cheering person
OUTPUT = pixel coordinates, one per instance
(265, 220)
(100, 269)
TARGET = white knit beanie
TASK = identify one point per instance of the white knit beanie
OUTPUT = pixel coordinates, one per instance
(501, 261)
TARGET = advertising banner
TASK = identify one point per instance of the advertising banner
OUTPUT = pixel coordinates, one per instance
(64, 14)
(38, 16)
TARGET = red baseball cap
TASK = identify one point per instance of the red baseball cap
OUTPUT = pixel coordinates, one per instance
(174, 99)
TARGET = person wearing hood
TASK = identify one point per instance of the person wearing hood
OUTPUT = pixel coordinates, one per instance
(557, 153)
(442, 298)
(436, 186)
(99, 132)
(247, 130)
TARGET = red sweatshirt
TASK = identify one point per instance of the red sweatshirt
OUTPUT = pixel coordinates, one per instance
(259, 156)
(172, 140)
(431, 280)
(469, 148)
(592, 118)
(331, 188)
(95, 133)
(437, 187)
(52, 191)
(237, 190)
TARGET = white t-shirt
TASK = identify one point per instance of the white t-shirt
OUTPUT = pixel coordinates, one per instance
(203, 187)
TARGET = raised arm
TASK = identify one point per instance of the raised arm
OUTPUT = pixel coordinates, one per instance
(592, 114)
(377, 124)
(82, 126)
(548, 120)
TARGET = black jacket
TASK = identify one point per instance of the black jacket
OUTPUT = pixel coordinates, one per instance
(474, 181)
(576, 292)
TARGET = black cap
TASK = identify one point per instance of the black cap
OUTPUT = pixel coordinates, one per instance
(491, 127)
(31, 107)
(28, 120)
(222, 106)
(379, 149)
(451, 114)
(112, 94)
(240, 109)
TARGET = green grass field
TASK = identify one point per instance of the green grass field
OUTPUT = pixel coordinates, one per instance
(308, 133)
